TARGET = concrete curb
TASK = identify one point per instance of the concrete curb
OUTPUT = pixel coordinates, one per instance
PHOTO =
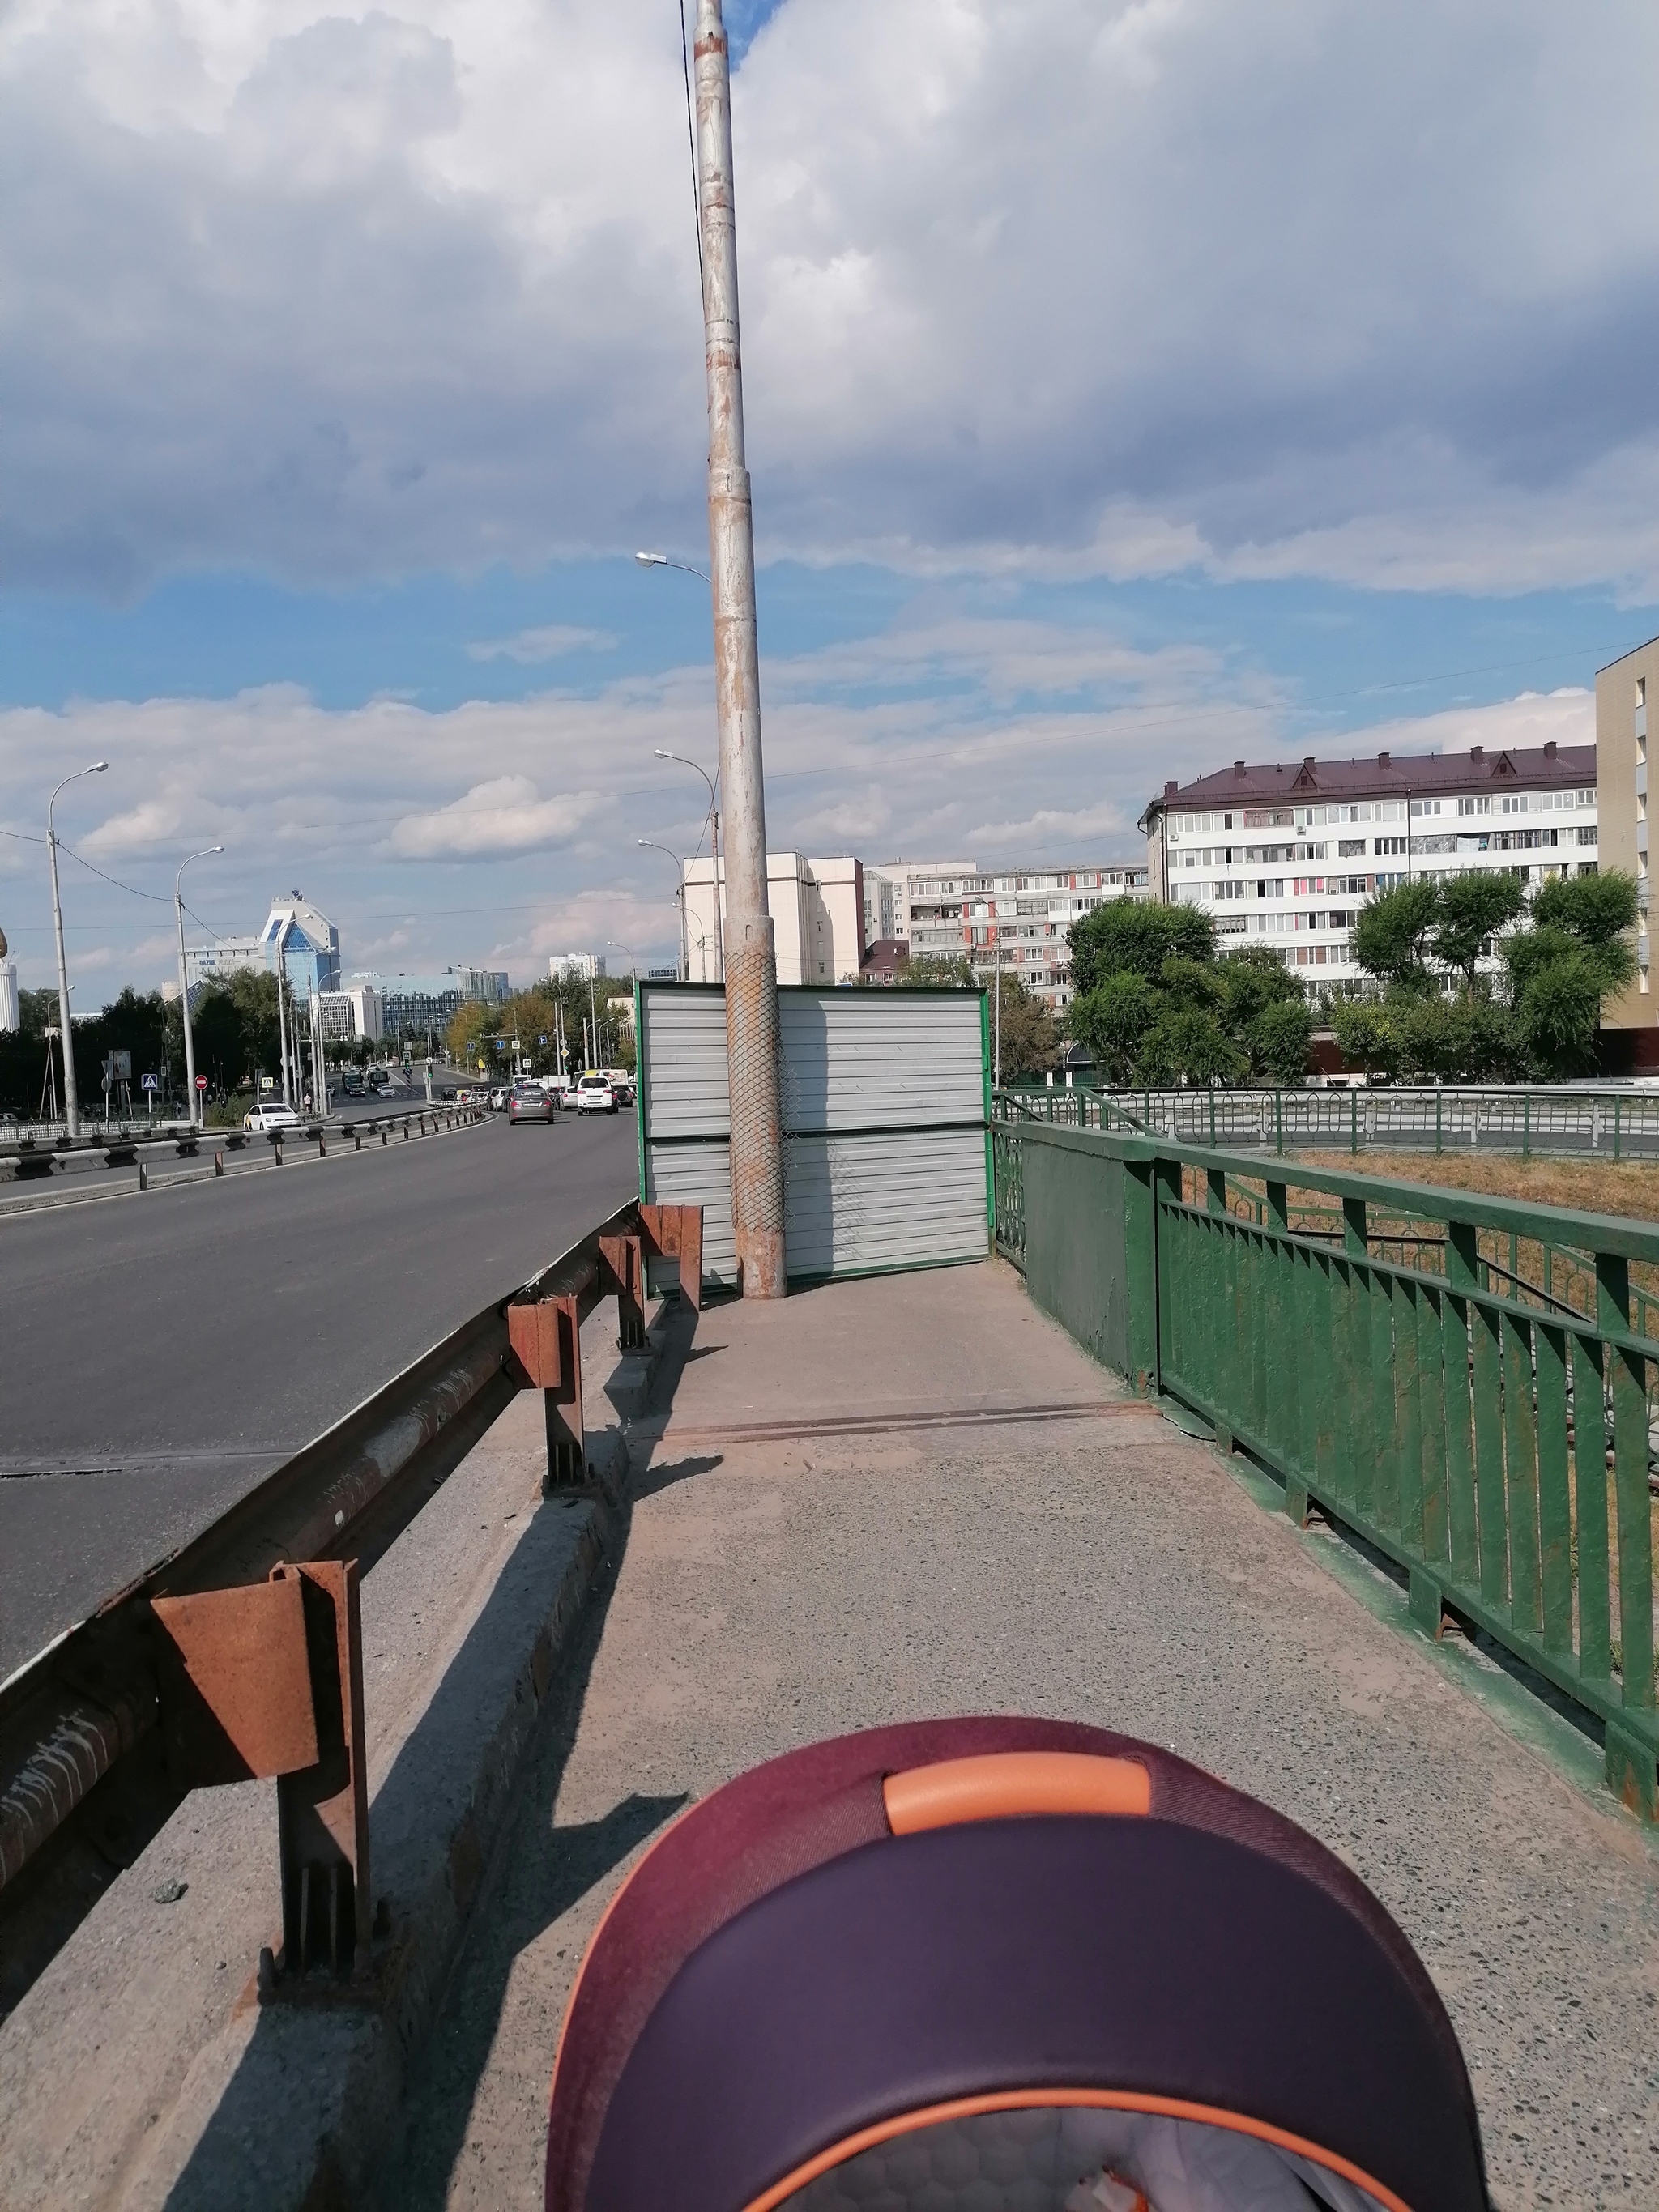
(275, 2107)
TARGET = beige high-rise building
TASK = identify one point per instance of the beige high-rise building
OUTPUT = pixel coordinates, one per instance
(1623, 691)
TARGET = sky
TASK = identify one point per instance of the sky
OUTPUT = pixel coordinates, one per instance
(1132, 385)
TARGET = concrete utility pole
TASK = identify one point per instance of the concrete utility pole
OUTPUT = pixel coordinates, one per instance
(71, 1098)
(751, 963)
(184, 985)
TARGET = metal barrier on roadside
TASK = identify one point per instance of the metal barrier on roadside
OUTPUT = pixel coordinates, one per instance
(241, 1657)
(1468, 1383)
(1558, 1122)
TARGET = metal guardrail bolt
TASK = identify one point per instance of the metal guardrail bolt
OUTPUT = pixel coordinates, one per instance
(277, 1151)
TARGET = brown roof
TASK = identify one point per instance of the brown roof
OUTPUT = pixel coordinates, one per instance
(1381, 775)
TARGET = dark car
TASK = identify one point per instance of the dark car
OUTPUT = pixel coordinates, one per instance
(528, 1101)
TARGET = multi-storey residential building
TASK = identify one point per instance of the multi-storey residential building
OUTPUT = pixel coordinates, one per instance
(1285, 856)
(1017, 919)
(1623, 692)
(817, 918)
(887, 893)
(575, 967)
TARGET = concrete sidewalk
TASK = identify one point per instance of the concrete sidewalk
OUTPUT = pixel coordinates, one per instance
(914, 1495)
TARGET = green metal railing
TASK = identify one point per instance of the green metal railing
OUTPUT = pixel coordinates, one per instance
(1561, 1123)
(1468, 1383)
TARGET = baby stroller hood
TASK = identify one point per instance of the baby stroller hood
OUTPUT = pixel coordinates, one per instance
(1042, 1957)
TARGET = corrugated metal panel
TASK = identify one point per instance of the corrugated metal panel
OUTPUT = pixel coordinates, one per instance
(904, 1199)
(878, 1059)
(685, 1052)
(884, 1103)
(698, 1175)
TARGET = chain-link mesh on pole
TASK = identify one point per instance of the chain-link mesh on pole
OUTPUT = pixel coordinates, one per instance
(750, 956)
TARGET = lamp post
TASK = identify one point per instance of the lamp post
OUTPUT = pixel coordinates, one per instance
(714, 842)
(184, 981)
(72, 1099)
(652, 846)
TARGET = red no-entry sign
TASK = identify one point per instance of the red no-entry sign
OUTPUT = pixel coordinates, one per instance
(201, 1083)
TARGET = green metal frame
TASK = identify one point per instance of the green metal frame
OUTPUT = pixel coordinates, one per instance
(1433, 1403)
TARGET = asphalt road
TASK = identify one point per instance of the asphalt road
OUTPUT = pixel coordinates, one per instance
(159, 1355)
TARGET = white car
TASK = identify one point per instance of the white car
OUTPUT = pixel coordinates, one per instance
(270, 1121)
(594, 1095)
(498, 1099)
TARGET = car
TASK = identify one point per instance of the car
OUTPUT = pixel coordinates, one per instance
(270, 1121)
(352, 1084)
(594, 1095)
(498, 1099)
(529, 1102)
(624, 1087)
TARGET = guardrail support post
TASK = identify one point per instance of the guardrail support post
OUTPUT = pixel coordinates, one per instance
(267, 1681)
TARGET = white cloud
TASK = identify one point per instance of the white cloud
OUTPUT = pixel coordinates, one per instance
(505, 815)
(551, 642)
(1088, 286)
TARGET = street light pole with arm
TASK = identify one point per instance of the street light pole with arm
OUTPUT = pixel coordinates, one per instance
(71, 1097)
(652, 846)
(184, 982)
(714, 842)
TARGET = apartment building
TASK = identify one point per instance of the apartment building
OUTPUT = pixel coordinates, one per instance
(887, 893)
(1017, 919)
(817, 918)
(1285, 856)
(1622, 693)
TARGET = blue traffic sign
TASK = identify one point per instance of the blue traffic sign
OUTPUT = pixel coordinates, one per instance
(150, 1082)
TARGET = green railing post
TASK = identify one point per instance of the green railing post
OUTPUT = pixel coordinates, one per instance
(1617, 1104)
(1439, 1099)
(1353, 1123)
(1526, 1125)
(1629, 1760)
(1279, 1121)
(1212, 1117)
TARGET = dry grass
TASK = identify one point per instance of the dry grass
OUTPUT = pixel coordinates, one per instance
(1628, 1191)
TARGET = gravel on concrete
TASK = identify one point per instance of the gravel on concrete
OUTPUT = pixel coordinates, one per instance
(788, 1587)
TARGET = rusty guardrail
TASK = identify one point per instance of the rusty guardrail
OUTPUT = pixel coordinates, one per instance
(240, 1656)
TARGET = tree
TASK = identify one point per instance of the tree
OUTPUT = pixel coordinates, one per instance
(941, 971)
(220, 1050)
(1469, 911)
(1251, 980)
(1595, 909)
(1135, 935)
(1391, 935)
(1027, 1036)
(1277, 1040)
(1188, 1044)
(1560, 1012)
(1363, 1035)
(1113, 1021)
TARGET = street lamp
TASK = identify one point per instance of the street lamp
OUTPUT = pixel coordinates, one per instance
(662, 561)
(652, 846)
(615, 945)
(715, 841)
(184, 980)
(71, 1101)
